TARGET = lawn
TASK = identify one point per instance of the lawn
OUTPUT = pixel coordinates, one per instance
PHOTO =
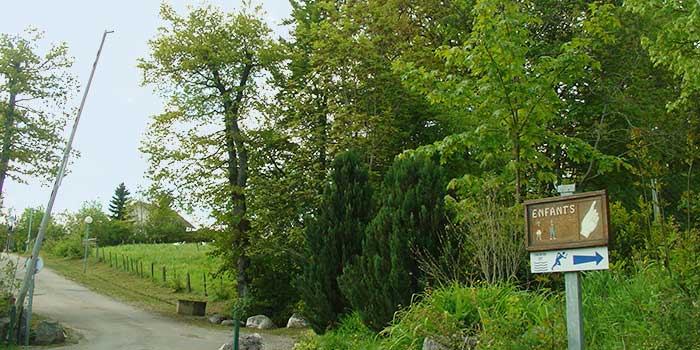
(171, 266)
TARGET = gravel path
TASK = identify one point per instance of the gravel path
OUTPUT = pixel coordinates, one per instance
(105, 323)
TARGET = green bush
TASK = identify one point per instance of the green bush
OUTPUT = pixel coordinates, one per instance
(334, 239)
(351, 334)
(644, 311)
(70, 246)
(410, 221)
(495, 317)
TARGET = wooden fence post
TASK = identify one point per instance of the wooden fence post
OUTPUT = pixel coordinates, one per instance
(110, 259)
(163, 274)
(153, 277)
(141, 263)
(189, 286)
(204, 277)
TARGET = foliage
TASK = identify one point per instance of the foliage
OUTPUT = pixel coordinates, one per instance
(350, 334)
(410, 218)
(54, 231)
(648, 309)
(207, 64)
(672, 39)
(117, 206)
(334, 239)
(163, 225)
(642, 310)
(34, 90)
(70, 246)
(512, 87)
(496, 232)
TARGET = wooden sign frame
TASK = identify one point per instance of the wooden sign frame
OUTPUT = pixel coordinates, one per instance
(604, 216)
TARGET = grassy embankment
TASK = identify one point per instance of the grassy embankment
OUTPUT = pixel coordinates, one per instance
(127, 275)
(642, 310)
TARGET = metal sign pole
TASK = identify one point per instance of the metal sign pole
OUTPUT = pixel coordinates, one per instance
(574, 310)
(57, 183)
(572, 284)
(29, 230)
(29, 312)
(87, 242)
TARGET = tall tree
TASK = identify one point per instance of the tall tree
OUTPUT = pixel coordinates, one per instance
(34, 90)
(206, 64)
(512, 86)
(117, 206)
(334, 239)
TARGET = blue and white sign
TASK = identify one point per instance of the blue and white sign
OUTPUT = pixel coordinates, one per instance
(565, 260)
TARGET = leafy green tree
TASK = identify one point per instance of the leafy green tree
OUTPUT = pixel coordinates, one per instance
(34, 90)
(117, 206)
(164, 224)
(511, 86)
(54, 231)
(207, 64)
(334, 239)
(409, 222)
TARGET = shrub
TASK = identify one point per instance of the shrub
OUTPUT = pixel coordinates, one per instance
(351, 334)
(70, 246)
(333, 239)
(410, 219)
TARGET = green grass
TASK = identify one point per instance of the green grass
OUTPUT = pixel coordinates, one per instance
(179, 261)
(640, 310)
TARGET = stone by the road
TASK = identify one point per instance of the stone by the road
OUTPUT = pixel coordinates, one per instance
(429, 344)
(216, 318)
(48, 332)
(230, 323)
(246, 342)
(260, 322)
(296, 321)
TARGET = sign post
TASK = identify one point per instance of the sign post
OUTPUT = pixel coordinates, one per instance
(39, 266)
(569, 234)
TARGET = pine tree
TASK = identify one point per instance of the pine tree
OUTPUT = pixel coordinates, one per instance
(117, 206)
(410, 219)
(333, 239)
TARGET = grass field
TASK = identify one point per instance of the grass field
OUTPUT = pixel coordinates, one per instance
(169, 265)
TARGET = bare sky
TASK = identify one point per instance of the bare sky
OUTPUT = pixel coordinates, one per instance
(118, 108)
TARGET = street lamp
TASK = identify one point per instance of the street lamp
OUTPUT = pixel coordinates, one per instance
(11, 227)
(88, 221)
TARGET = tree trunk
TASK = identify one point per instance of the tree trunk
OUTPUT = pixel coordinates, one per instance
(237, 174)
(8, 128)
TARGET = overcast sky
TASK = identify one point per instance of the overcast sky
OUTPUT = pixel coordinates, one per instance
(118, 108)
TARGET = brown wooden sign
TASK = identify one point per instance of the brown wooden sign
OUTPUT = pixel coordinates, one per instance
(575, 221)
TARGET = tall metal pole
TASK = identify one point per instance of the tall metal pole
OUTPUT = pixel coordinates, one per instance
(57, 183)
(87, 242)
(29, 230)
(574, 307)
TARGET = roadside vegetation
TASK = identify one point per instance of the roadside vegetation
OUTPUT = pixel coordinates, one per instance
(369, 170)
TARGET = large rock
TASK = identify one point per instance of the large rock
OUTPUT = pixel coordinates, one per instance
(216, 318)
(48, 332)
(467, 343)
(296, 321)
(259, 322)
(246, 342)
(231, 323)
(430, 344)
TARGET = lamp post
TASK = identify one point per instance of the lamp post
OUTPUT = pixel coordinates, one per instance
(88, 221)
(11, 237)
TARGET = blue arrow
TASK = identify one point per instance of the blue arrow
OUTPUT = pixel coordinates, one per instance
(584, 259)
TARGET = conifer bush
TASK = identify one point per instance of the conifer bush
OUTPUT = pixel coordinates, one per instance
(409, 222)
(333, 239)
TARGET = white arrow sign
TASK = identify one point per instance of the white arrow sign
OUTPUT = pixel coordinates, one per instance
(39, 264)
(577, 259)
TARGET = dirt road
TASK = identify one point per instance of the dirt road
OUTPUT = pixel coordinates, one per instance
(104, 323)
